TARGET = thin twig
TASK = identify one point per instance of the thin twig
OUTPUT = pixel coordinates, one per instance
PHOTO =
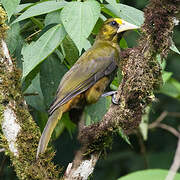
(157, 123)
(170, 129)
(158, 120)
(33, 34)
(176, 163)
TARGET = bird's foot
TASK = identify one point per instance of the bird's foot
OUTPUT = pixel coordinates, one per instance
(113, 94)
(110, 93)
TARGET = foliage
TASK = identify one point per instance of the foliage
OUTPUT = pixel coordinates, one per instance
(155, 174)
(48, 36)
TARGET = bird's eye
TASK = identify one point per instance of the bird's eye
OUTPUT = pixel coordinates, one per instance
(114, 23)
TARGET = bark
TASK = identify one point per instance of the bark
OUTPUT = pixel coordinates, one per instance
(19, 132)
(141, 77)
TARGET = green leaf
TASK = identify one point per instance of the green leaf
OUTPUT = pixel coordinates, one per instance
(51, 72)
(161, 62)
(117, 80)
(124, 136)
(125, 12)
(79, 19)
(15, 43)
(166, 76)
(144, 123)
(22, 7)
(97, 26)
(123, 43)
(10, 6)
(152, 174)
(69, 125)
(171, 88)
(70, 50)
(34, 96)
(95, 112)
(64, 123)
(174, 48)
(107, 11)
(41, 118)
(13, 37)
(36, 52)
(41, 8)
(53, 18)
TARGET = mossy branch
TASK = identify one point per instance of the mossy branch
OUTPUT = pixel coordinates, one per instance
(19, 132)
(141, 77)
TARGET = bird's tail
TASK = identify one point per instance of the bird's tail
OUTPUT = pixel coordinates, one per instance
(48, 130)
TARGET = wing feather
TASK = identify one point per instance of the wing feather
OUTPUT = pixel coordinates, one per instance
(84, 74)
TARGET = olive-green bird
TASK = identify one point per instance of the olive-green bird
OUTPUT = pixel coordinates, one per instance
(88, 78)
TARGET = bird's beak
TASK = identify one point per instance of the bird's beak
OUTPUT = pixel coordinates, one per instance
(124, 26)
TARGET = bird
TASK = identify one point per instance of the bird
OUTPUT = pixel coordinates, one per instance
(88, 78)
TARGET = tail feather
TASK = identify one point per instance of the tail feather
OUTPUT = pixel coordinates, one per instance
(48, 130)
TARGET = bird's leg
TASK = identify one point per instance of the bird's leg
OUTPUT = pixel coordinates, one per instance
(113, 94)
(110, 93)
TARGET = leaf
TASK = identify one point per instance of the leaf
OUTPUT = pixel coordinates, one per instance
(64, 123)
(117, 80)
(36, 52)
(10, 6)
(79, 19)
(70, 50)
(166, 76)
(107, 11)
(41, 8)
(174, 48)
(123, 43)
(144, 123)
(21, 7)
(161, 62)
(13, 37)
(124, 136)
(171, 88)
(95, 112)
(34, 95)
(15, 43)
(51, 72)
(69, 125)
(155, 174)
(125, 12)
(97, 26)
(52, 18)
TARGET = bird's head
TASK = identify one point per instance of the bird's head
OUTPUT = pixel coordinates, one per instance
(113, 28)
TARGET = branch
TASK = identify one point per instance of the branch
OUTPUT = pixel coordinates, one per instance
(157, 123)
(19, 132)
(141, 76)
(158, 120)
(176, 163)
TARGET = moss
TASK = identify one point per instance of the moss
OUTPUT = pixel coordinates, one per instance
(3, 26)
(159, 15)
(25, 164)
(141, 75)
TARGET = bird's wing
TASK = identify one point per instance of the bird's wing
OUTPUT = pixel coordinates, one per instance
(92, 66)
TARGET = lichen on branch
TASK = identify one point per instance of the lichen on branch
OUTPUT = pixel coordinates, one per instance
(19, 132)
(141, 75)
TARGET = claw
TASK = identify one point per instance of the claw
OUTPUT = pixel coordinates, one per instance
(113, 94)
(114, 100)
